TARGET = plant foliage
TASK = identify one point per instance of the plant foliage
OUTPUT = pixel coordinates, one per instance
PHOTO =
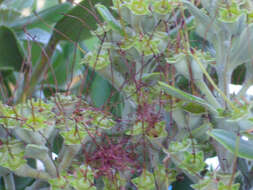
(125, 94)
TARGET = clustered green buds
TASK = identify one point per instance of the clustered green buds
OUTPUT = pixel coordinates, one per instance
(81, 178)
(217, 181)
(12, 155)
(132, 46)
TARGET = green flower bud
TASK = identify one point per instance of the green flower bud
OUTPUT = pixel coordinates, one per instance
(162, 7)
(98, 61)
(12, 155)
(139, 7)
(231, 14)
(145, 181)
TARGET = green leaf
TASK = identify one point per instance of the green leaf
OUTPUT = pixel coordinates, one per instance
(145, 181)
(117, 104)
(74, 135)
(91, 42)
(22, 182)
(221, 186)
(185, 96)
(100, 91)
(193, 108)
(82, 184)
(250, 17)
(147, 46)
(241, 53)
(78, 22)
(200, 15)
(139, 7)
(149, 77)
(47, 4)
(60, 182)
(206, 27)
(231, 14)
(49, 16)
(38, 35)
(98, 60)
(156, 131)
(107, 16)
(210, 182)
(3, 172)
(163, 176)
(11, 57)
(199, 131)
(12, 155)
(228, 140)
(64, 67)
(5, 90)
(19, 4)
(8, 15)
(193, 163)
(35, 151)
(1, 183)
(57, 144)
(182, 183)
(162, 7)
(182, 146)
(118, 184)
(211, 6)
(239, 74)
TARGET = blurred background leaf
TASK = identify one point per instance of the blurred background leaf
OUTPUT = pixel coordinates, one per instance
(49, 16)
(12, 56)
(100, 91)
(79, 19)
